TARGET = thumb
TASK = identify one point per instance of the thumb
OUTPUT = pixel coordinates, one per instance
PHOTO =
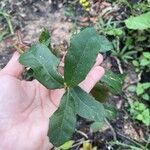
(13, 68)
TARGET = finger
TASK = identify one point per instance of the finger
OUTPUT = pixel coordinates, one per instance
(13, 68)
(56, 96)
(92, 78)
(99, 60)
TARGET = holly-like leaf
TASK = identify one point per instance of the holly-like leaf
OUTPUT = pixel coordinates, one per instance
(113, 81)
(81, 56)
(45, 37)
(87, 107)
(62, 123)
(139, 22)
(44, 65)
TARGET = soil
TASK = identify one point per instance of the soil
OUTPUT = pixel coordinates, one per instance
(29, 16)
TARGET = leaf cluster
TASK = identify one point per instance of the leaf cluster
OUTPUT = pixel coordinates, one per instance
(141, 89)
(143, 62)
(140, 112)
(81, 56)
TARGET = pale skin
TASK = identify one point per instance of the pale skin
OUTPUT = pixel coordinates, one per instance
(26, 106)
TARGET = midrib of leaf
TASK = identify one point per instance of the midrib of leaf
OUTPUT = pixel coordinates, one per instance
(89, 107)
(77, 64)
(80, 101)
(66, 104)
(46, 70)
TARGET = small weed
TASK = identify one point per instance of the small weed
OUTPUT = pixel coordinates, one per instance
(6, 25)
(142, 62)
(140, 112)
(141, 90)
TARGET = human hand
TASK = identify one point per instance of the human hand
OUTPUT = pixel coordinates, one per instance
(26, 106)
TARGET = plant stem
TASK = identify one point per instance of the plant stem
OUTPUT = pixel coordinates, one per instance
(119, 65)
(112, 129)
(82, 133)
(7, 17)
(133, 141)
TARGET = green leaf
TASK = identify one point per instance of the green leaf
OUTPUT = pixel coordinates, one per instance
(146, 55)
(44, 64)
(141, 107)
(146, 121)
(100, 92)
(87, 107)
(105, 44)
(62, 123)
(139, 117)
(45, 37)
(140, 22)
(113, 81)
(114, 32)
(67, 145)
(81, 56)
(144, 62)
(146, 97)
(146, 85)
(139, 89)
(141, 38)
(132, 88)
(146, 117)
(135, 63)
(146, 113)
(111, 111)
(87, 146)
(96, 126)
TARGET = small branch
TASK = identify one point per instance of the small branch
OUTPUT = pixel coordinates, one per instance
(19, 50)
(82, 133)
(131, 140)
(79, 143)
(119, 65)
(112, 129)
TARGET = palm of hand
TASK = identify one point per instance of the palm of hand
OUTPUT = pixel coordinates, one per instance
(25, 107)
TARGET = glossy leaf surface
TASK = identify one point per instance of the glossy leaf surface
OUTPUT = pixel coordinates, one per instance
(81, 56)
(44, 65)
(62, 122)
(87, 107)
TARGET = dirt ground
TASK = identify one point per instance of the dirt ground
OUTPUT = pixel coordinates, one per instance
(29, 16)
